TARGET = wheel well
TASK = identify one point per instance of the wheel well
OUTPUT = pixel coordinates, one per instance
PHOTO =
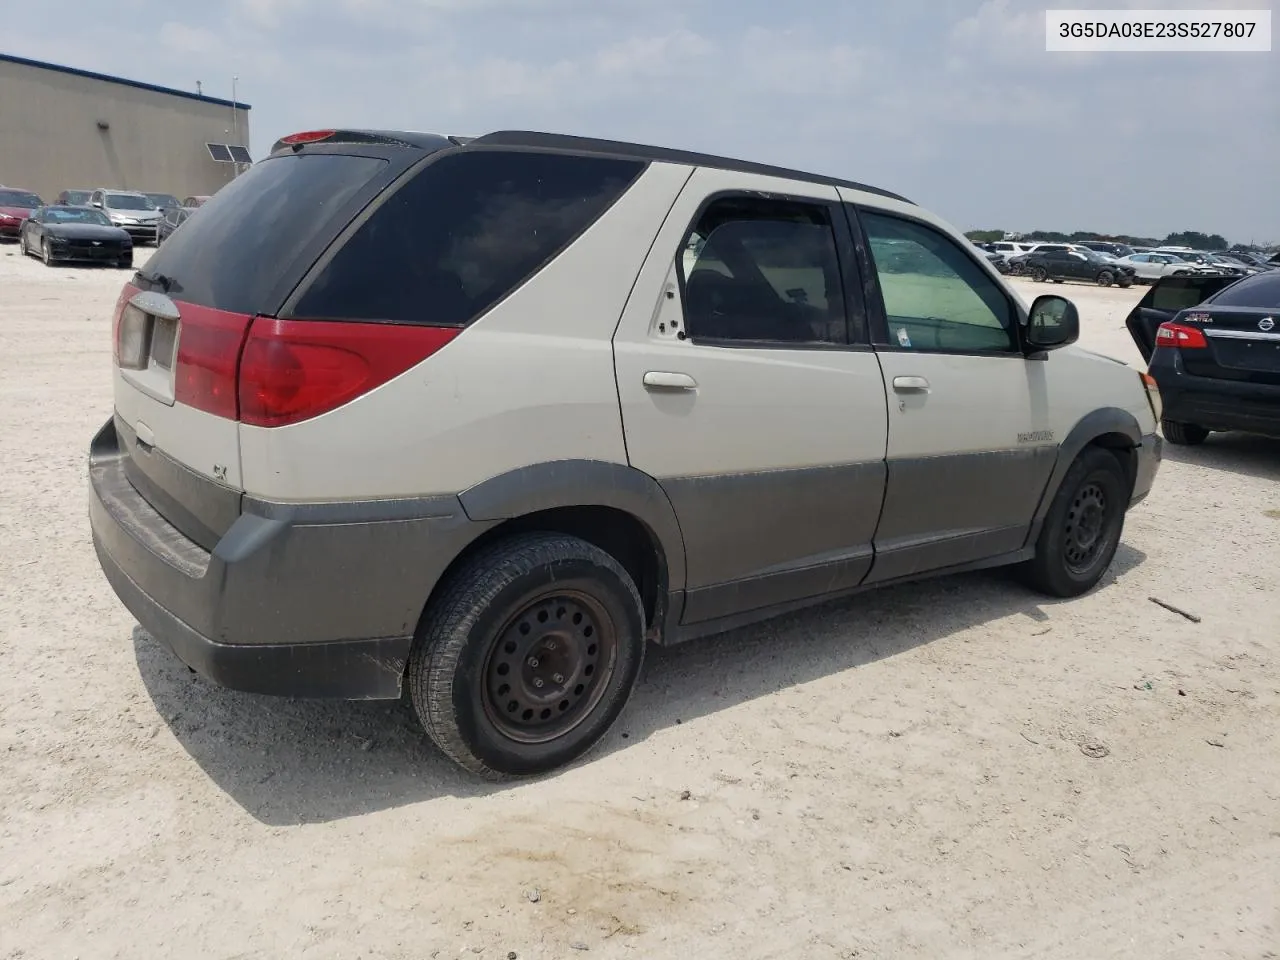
(616, 532)
(1121, 447)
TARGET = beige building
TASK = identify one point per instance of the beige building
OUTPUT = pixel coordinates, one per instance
(68, 129)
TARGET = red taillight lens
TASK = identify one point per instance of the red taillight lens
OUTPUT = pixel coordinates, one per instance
(1181, 336)
(293, 370)
(209, 343)
(308, 136)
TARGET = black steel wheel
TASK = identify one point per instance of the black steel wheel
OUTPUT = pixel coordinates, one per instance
(1106, 278)
(1081, 531)
(1040, 274)
(527, 655)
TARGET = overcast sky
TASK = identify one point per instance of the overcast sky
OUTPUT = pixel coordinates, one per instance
(954, 103)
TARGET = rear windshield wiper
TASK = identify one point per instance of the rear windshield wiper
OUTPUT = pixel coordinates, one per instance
(159, 279)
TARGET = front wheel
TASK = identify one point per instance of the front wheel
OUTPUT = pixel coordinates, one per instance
(1125, 281)
(46, 252)
(1183, 434)
(1106, 278)
(1082, 528)
(528, 655)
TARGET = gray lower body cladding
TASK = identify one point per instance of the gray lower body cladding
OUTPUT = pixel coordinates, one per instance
(304, 600)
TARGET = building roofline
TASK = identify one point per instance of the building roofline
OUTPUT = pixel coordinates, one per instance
(106, 78)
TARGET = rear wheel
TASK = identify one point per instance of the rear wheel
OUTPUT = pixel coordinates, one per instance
(528, 655)
(1183, 434)
(1083, 526)
(1040, 274)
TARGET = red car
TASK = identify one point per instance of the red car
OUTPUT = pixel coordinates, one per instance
(15, 207)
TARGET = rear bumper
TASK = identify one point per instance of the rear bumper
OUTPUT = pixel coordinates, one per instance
(1216, 404)
(306, 600)
(1150, 452)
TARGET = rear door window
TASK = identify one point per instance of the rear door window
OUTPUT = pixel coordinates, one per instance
(239, 251)
(463, 233)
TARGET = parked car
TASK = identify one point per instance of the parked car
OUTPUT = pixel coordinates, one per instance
(173, 218)
(1117, 250)
(130, 210)
(1153, 266)
(1251, 259)
(997, 260)
(163, 201)
(15, 207)
(1213, 346)
(74, 198)
(62, 234)
(489, 437)
(194, 201)
(1008, 248)
(1080, 264)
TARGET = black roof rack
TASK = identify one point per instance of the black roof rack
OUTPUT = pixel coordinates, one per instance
(589, 145)
(570, 144)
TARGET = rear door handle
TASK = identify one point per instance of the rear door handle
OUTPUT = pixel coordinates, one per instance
(910, 384)
(666, 380)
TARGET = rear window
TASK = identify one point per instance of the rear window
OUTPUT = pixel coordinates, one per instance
(234, 255)
(1174, 295)
(462, 234)
(1262, 290)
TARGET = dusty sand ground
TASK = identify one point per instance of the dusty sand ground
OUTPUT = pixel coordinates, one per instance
(900, 775)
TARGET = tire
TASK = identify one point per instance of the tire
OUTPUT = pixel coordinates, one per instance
(1183, 434)
(1179, 273)
(542, 610)
(22, 243)
(1058, 280)
(1106, 278)
(1125, 281)
(1039, 274)
(1082, 528)
(46, 253)
(126, 264)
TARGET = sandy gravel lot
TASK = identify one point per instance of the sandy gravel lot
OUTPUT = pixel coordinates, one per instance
(900, 775)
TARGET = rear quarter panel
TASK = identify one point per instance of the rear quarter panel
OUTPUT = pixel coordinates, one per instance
(531, 381)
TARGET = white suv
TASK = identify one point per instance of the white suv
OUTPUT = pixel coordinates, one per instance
(483, 417)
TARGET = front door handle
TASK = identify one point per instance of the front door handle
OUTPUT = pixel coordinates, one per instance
(910, 384)
(666, 380)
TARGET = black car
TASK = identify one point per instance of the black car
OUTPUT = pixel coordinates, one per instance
(59, 234)
(1213, 346)
(173, 218)
(1058, 265)
(163, 201)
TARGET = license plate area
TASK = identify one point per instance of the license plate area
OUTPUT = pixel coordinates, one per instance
(1257, 354)
(147, 348)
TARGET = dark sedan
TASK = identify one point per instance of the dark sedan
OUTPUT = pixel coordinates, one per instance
(15, 207)
(1213, 346)
(82, 234)
(1079, 264)
(173, 218)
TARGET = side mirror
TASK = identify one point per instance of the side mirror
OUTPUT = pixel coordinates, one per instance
(1053, 322)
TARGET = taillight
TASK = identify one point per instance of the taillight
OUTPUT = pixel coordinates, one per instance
(307, 136)
(121, 302)
(209, 343)
(1153, 395)
(1181, 336)
(292, 370)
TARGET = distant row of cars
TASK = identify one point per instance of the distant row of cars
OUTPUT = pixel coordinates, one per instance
(1106, 263)
(91, 226)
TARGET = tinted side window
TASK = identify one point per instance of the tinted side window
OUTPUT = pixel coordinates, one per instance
(462, 234)
(763, 270)
(936, 297)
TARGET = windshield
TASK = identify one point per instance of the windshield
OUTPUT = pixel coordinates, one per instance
(128, 201)
(162, 200)
(235, 254)
(75, 215)
(19, 198)
(1261, 290)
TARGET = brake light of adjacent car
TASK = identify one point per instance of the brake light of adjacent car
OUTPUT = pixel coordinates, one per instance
(1153, 394)
(292, 370)
(1181, 336)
